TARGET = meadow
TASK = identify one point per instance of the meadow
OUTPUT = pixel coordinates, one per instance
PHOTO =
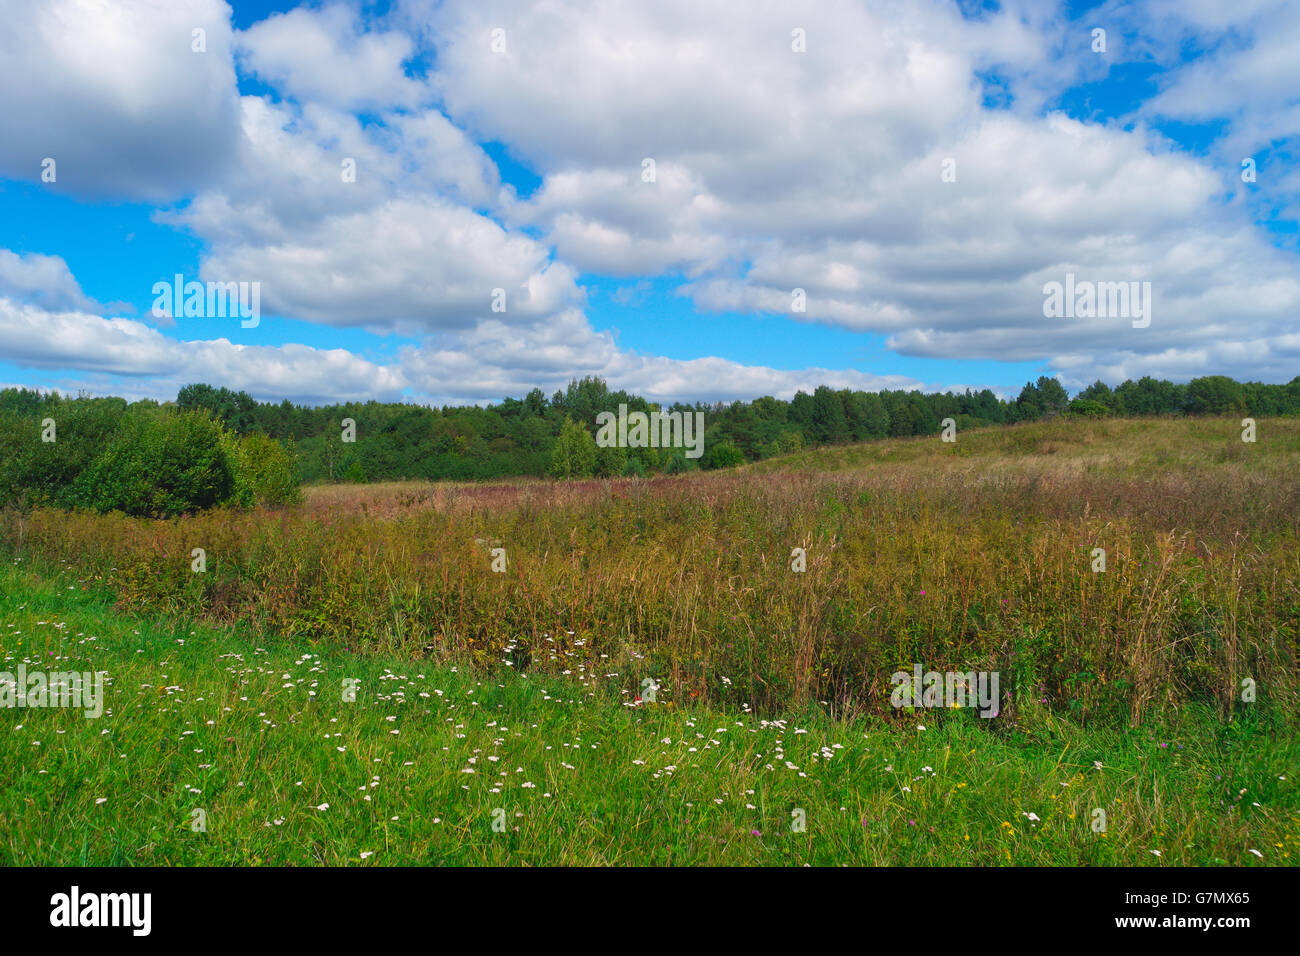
(1161, 690)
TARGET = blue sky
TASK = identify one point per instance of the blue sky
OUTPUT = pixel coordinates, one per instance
(504, 145)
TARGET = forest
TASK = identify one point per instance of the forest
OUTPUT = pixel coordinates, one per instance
(210, 445)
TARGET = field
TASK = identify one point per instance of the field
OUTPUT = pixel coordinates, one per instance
(1162, 690)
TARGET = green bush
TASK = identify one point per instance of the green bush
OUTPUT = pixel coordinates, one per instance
(723, 455)
(1087, 407)
(574, 455)
(41, 472)
(267, 473)
(160, 464)
(611, 461)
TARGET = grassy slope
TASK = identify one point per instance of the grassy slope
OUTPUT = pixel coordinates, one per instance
(260, 738)
(973, 555)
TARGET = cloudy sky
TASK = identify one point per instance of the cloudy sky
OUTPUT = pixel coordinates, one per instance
(646, 184)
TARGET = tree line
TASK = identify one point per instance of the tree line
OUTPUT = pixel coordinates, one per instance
(106, 448)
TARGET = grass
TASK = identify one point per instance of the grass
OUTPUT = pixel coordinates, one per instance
(496, 719)
(253, 729)
(974, 555)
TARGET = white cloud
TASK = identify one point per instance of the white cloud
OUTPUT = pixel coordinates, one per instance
(775, 170)
(32, 337)
(821, 171)
(115, 95)
(44, 280)
(327, 56)
(493, 360)
(488, 362)
(417, 265)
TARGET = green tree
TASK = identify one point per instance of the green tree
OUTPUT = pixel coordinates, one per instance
(828, 420)
(1052, 395)
(611, 461)
(901, 420)
(722, 455)
(161, 464)
(1213, 395)
(574, 455)
(267, 472)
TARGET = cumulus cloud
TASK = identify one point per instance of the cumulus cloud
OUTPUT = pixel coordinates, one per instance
(45, 280)
(491, 360)
(33, 337)
(773, 170)
(328, 56)
(415, 265)
(822, 171)
(116, 95)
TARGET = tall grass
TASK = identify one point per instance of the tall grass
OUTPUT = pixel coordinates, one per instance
(972, 556)
(421, 765)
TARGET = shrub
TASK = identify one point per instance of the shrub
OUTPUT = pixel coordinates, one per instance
(160, 464)
(1087, 408)
(723, 455)
(574, 455)
(611, 461)
(267, 472)
(41, 472)
(676, 464)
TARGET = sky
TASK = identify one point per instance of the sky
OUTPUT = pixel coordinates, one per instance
(452, 203)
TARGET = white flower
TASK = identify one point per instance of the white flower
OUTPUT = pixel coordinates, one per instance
(323, 806)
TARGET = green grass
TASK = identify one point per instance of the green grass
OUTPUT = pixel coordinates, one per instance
(253, 730)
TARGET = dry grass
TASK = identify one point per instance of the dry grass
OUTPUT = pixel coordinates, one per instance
(967, 556)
